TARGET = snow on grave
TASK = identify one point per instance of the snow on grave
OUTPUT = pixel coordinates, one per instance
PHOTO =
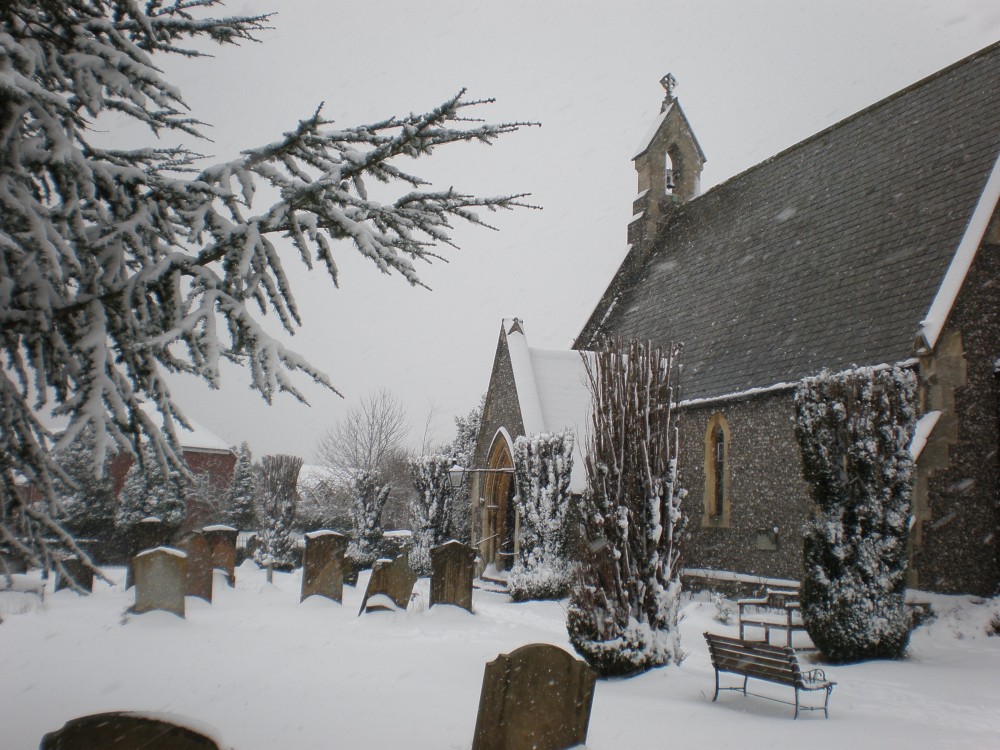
(199, 570)
(537, 696)
(453, 566)
(160, 580)
(222, 540)
(125, 730)
(323, 565)
(390, 585)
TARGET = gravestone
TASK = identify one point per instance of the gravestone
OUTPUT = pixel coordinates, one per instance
(82, 575)
(323, 565)
(199, 571)
(452, 570)
(149, 533)
(122, 730)
(222, 540)
(537, 696)
(391, 583)
(160, 580)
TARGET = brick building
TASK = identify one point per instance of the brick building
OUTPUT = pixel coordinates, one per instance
(875, 241)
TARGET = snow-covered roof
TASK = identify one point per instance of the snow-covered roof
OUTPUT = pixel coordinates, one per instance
(198, 438)
(961, 262)
(552, 392)
(922, 432)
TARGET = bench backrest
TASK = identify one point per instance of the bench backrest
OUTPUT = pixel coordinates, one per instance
(755, 659)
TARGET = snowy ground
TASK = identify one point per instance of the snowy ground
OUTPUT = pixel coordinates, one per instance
(264, 671)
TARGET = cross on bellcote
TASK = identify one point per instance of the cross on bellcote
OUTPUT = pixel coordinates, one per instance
(669, 83)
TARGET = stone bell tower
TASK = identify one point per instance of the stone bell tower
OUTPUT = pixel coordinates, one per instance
(668, 164)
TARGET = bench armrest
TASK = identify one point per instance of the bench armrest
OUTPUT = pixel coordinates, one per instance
(814, 677)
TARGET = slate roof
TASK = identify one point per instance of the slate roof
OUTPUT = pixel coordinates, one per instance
(827, 255)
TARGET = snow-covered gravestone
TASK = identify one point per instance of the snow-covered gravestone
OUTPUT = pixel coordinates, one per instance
(127, 730)
(150, 532)
(160, 580)
(452, 570)
(323, 565)
(537, 696)
(390, 586)
(222, 540)
(199, 570)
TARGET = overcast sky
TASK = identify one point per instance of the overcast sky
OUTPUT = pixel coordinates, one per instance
(754, 78)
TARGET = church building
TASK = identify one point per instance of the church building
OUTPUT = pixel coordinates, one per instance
(874, 242)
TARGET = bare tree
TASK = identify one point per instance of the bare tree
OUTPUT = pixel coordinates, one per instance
(366, 439)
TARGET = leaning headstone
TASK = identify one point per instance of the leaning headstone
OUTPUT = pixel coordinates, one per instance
(160, 580)
(125, 730)
(149, 533)
(391, 584)
(323, 565)
(199, 571)
(452, 570)
(537, 696)
(80, 574)
(222, 540)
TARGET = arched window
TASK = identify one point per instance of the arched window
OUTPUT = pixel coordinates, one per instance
(717, 500)
(668, 175)
(719, 448)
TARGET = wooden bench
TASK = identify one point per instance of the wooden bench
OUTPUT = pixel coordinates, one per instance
(762, 661)
(777, 609)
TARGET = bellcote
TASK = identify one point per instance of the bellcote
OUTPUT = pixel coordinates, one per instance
(668, 164)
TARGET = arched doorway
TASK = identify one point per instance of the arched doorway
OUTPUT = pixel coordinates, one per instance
(499, 513)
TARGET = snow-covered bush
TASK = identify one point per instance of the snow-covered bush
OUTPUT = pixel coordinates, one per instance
(368, 495)
(463, 451)
(430, 508)
(854, 431)
(147, 493)
(725, 610)
(623, 614)
(277, 499)
(542, 468)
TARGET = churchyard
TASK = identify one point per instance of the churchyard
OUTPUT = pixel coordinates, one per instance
(258, 668)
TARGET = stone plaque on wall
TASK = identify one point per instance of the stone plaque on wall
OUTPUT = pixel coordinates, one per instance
(160, 580)
(538, 697)
(222, 540)
(323, 565)
(391, 584)
(199, 569)
(125, 731)
(452, 570)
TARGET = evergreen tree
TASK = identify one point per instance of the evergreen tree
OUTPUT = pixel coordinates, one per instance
(430, 508)
(277, 497)
(623, 613)
(87, 496)
(368, 495)
(463, 452)
(147, 493)
(542, 468)
(242, 493)
(120, 265)
(854, 431)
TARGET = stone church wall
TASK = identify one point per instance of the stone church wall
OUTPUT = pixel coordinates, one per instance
(765, 489)
(958, 486)
(500, 410)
